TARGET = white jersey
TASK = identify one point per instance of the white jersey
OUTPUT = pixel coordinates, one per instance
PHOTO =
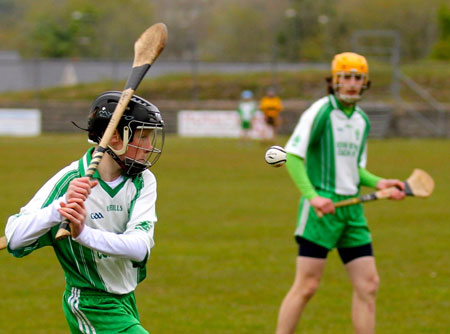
(247, 110)
(333, 144)
(128, 209)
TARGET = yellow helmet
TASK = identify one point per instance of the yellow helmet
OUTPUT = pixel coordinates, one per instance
(349, 62)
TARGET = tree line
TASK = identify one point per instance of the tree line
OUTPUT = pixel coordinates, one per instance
(222, 30)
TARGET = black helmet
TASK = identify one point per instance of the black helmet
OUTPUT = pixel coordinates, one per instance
(139, 115)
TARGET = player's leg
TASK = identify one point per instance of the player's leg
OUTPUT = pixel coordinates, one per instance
(276, 125)
(270, 123)
(310, 265)
(360, 264)
(355, 249)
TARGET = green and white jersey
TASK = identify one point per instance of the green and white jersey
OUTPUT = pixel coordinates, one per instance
(333, 144)
(246, 110)
(129, 208)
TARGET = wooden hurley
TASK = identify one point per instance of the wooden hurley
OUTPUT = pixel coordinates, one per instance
(419, 184)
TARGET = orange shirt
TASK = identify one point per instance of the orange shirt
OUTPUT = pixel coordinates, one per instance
(271, 106)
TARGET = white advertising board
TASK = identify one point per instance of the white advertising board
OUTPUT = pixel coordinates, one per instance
(219, 123)
(20, 122)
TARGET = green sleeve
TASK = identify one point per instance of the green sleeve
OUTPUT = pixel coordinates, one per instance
(297, 171)
(367, 178)
(239, 110)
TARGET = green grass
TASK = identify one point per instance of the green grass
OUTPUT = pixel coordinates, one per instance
(224, 254)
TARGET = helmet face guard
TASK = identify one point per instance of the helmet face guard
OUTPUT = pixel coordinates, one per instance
(147, 145)
(357, 77)
(140, 127)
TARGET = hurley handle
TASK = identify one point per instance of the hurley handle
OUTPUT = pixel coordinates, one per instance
(380, 194)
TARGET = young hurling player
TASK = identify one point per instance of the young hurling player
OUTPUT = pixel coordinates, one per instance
(112, 219)
(246, 109)
(326, 158)
(271, 106)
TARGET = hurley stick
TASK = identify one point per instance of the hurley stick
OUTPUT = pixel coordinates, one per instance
(146, 50)
(419, 184)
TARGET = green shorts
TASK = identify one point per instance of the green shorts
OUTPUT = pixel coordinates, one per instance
(97, 312)
(346, 228)
(246, 124)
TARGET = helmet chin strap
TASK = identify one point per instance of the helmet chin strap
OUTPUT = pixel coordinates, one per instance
(126, 140)
(115, 153)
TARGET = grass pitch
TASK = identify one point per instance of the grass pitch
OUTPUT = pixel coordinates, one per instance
(224, 255)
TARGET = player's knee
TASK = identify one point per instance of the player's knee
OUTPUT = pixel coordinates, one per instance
(307, 288)
(374, 283)
(369, 287)
(310, 288)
